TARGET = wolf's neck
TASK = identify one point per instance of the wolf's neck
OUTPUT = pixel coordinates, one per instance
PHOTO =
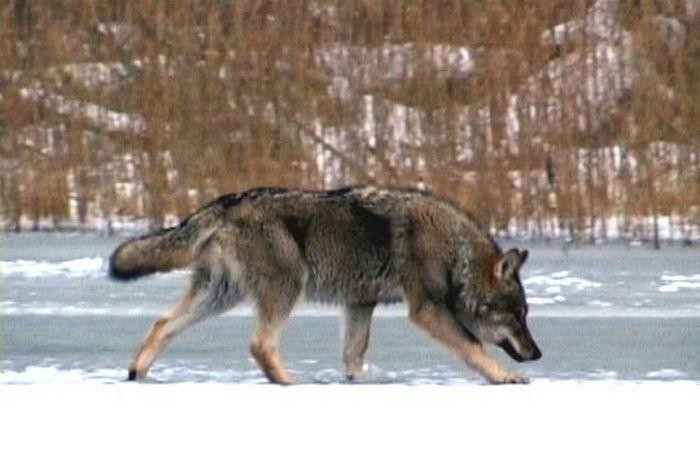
(474, 260)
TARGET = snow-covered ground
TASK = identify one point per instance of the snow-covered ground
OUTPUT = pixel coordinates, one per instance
(542, 415)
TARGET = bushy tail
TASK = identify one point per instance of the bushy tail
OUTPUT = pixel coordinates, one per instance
(174, 248)
(164, 250)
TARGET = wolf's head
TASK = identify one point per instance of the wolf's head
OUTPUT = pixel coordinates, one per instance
(499, 316)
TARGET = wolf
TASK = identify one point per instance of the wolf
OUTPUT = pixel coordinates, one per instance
(357, 247)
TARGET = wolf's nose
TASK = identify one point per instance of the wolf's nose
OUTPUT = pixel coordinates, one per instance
(536, 354)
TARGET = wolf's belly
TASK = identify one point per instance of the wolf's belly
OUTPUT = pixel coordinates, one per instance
(348, 291)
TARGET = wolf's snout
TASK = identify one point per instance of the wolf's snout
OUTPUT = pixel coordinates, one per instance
(530, 348)
(532, 351)
(521, 352)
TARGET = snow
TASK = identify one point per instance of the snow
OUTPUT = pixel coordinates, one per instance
(666, 373)
(598, 25)
(96, 115)
(553, 282)
(673, 283)
(368, 66)
(80, 267)
(544, 415)
(96, 75)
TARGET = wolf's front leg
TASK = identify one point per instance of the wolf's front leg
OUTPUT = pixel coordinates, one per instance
(356, 324)
(272, 316)
(440, 324)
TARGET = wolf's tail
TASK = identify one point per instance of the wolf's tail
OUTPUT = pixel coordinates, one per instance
(174, 248)
(171, 248)
(164, 250)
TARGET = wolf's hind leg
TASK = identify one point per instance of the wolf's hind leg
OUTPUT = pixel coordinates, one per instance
(208, 295)
(163, 330)
(439, 323)
(275, 275)
(356, 325)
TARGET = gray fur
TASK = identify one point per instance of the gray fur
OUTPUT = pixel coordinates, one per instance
(360, 247)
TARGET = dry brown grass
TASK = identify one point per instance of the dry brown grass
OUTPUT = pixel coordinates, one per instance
(242, 94)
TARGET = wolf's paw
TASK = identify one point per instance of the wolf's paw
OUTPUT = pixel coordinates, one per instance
(136, 375)
(369, 374)
(510, 378)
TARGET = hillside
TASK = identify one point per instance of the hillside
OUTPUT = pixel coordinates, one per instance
(561, 119)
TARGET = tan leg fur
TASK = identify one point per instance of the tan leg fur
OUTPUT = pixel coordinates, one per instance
(441, 326)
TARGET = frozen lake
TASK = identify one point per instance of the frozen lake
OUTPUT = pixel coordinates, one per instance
(604, 312)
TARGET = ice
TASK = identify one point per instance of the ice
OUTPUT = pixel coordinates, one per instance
(674, 283)
(666, 373)
(80, 267)
(53, 375)
(679, 278)
(674, 287)
(537, 300)
(554, 282)
(58, 310)
(76, 268)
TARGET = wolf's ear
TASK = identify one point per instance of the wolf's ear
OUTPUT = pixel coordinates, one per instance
(523, 256)
(509, 263)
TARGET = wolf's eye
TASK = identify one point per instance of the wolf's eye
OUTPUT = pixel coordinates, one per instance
(483, 310)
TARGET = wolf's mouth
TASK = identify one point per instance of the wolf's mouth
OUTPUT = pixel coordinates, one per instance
(510, 350)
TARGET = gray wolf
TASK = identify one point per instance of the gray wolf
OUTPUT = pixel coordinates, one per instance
(357, 247)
